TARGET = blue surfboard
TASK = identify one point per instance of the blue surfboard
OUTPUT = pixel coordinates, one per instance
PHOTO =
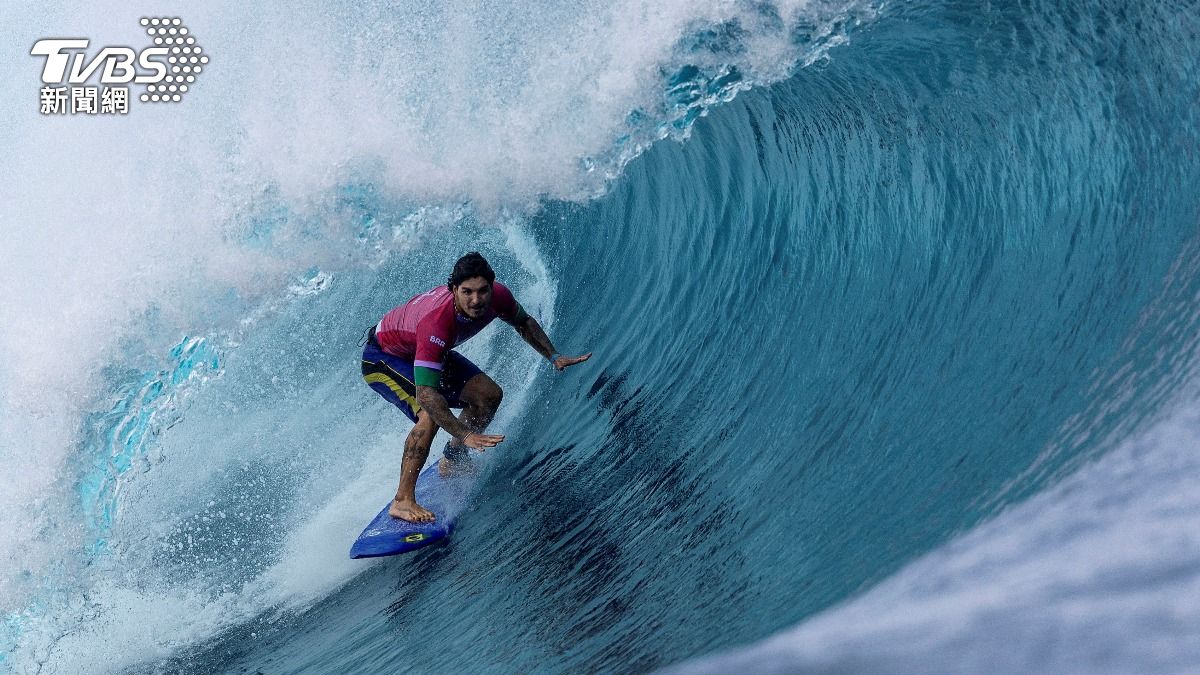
(391, 536)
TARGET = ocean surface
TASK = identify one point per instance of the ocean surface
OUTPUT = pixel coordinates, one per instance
(894, 309)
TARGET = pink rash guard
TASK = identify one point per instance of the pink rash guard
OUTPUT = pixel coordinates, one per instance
(423, 329)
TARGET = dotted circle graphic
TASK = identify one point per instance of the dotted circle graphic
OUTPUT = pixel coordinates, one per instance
(183, 57)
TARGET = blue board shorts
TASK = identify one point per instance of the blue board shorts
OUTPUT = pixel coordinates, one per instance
(392, 378)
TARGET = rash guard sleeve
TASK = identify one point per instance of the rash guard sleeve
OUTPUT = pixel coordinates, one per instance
(432, 336)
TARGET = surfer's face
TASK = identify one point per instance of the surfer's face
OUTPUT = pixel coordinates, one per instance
(473, 297)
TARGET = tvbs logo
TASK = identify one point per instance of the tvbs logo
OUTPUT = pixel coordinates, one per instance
(167, 70)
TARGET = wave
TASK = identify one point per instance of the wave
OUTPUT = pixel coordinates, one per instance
(158, 470)
(906, 268)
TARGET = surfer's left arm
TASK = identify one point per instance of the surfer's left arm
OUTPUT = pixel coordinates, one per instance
(531, 331)
(511, 311)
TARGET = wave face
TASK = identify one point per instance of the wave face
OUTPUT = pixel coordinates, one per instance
(931, 261)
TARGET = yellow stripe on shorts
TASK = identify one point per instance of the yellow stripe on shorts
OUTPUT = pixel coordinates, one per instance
(396, 389)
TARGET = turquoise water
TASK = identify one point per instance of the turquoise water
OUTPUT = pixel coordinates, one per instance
(841, 318)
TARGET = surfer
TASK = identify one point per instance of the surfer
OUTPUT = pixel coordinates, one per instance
(409, 360)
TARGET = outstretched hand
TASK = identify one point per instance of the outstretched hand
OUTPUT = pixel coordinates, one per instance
(562, 362)
(477, 441)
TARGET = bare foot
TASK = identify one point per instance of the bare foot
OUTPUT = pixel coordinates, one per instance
(411, 511)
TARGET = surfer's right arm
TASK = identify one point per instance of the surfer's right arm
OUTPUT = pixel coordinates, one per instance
(432, 337)
(435, 404)
(433, 334)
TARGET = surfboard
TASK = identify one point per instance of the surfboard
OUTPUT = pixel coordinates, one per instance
(386, 535)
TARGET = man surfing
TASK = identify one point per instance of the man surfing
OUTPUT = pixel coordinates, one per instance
(408, 359)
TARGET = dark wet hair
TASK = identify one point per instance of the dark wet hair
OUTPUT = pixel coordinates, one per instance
(470, 266)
